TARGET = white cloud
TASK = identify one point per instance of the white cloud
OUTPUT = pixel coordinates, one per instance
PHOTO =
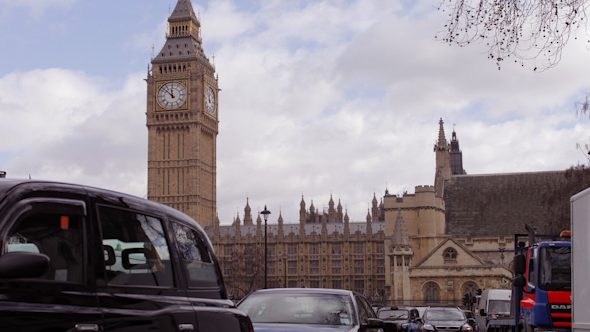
(65, 126)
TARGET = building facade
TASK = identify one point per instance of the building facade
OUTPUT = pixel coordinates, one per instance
(182, 120)
(323, 250)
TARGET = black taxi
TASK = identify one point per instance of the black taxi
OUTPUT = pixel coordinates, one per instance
(76, 258)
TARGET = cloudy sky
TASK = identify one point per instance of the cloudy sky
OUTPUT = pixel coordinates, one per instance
(318, 97)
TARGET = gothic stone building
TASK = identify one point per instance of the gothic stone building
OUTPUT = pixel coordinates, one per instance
(323, 250)
(448, 239)
(182, 120)
(429, 247)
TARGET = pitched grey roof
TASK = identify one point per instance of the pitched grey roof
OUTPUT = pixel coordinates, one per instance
(498, 205)
(183, 11)
(178, 49)
(294, 228)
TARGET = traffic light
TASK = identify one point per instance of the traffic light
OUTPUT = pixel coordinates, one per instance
(466, 299)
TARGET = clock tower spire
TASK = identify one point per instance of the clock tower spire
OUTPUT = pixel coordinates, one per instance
(182, 120)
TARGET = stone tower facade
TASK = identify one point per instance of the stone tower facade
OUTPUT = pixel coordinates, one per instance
(182, 120)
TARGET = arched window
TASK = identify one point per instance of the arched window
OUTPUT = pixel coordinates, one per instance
(470, 289)
(432, 293)
(450, 255)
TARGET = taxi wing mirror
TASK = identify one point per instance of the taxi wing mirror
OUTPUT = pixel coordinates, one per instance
(20, 264)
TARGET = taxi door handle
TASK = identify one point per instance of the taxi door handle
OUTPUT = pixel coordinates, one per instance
(86, 327)
(186, 327)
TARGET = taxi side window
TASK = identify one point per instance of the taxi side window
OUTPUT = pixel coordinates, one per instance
(53, 229)
(370, 312)
(195, 257)
(363, 314)
(136, 252)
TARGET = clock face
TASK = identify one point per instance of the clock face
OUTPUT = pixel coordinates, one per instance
(172, 95)
(210, 100)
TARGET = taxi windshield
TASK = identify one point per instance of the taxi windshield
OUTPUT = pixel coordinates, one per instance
(393, 314)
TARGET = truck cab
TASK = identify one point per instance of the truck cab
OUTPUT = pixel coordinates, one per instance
(546, 282)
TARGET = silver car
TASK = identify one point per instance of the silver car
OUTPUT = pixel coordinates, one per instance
(309, 309)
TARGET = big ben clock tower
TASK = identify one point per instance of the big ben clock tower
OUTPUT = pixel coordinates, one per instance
(182, 120)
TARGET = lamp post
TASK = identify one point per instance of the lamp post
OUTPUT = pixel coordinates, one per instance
(265, 213)
(285, 260)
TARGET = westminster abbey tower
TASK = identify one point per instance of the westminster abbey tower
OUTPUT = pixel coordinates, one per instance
(182, 120)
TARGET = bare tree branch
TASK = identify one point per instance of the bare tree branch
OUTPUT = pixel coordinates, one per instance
(518, 29)
(582, 107)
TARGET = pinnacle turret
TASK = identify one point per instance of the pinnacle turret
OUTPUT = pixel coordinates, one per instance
(400, 234)
(441, 144)
(247, 213)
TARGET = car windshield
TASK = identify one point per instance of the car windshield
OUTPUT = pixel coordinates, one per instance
(501, 307)
(325, 309)
(444, 315)
(555, 271)
(393, 314)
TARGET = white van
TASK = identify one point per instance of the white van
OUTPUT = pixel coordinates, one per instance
(493, 304)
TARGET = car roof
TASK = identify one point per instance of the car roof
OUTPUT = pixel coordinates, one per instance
(7, 185)
(443, 309)
(304, 291)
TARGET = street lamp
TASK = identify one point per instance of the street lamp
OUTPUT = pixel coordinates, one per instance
(265, 213)
(285, 260)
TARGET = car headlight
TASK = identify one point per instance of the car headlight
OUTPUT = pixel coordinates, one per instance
(466, 328)
(428, 327)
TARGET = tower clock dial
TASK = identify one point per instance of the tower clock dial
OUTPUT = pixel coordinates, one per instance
(210, 100)
(172, 95)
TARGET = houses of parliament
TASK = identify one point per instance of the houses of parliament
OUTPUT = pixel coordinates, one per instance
(432, 246)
